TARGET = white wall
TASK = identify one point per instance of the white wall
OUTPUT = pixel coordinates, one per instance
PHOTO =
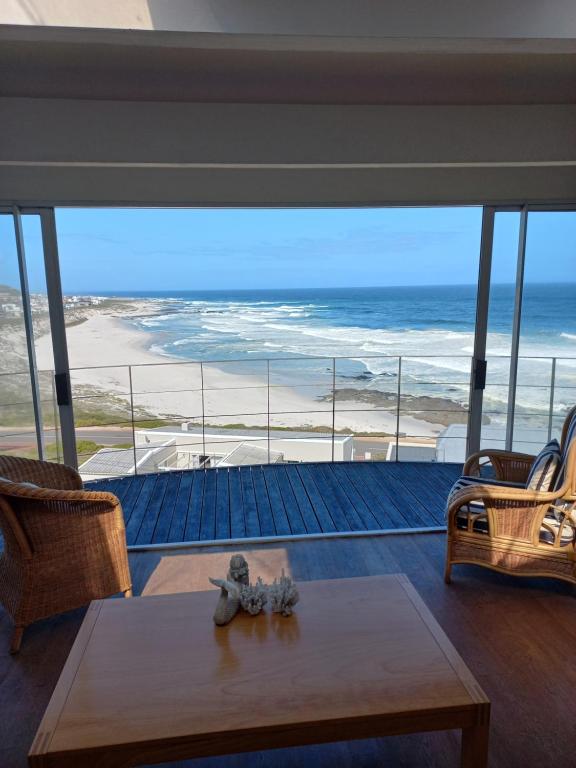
(64, 151)
(305, 449)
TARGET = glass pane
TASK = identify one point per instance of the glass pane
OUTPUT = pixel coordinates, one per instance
(500, 321)
(299, 318)
(32, 233)
(17, 429)
(548, 329)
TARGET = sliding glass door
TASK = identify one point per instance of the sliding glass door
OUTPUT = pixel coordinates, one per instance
(357, 334)
(530, 329)
(33, 398)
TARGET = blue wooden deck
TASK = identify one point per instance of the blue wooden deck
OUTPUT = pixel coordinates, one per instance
(279, 500)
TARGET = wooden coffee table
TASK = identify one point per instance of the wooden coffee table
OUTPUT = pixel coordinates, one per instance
(151, 679)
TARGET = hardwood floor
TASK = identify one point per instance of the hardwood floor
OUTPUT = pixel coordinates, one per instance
(281, 500)
(517, 636)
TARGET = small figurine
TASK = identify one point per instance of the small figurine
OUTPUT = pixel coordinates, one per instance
(229, 600)
(253, 597)
(283, 595)
(238, 570)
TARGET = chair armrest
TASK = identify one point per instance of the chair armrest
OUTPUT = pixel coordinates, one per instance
(508, 465)
(519, 511)
(46, 474)
(90, 502)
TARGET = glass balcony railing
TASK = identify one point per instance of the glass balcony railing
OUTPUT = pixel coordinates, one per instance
(189, 415)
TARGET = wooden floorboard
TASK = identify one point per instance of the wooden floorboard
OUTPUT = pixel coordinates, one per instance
(281, 499)
(516, 635)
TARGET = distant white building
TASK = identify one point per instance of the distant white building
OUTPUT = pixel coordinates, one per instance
(221, 447)
(11, 309)
(117, 462)
(451, 442)
(165, 449)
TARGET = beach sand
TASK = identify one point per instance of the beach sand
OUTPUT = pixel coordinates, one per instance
(103, 346)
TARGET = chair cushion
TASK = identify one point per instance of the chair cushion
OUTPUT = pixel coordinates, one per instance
(14, 482)
(570, 435)
(465, 480)
(545, 468)
(475, 507)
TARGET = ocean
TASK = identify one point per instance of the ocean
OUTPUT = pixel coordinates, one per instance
(293, 332)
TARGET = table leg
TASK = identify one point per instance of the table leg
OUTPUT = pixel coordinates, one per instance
(475, 746)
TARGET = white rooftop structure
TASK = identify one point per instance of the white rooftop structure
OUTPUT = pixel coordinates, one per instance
(116, 462)
(451, 443)
(246, 454)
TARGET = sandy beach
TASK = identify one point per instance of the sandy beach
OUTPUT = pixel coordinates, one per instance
(105, 350)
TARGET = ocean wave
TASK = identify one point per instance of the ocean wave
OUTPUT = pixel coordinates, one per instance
(436, 360)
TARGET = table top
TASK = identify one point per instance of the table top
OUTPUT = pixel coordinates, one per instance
(156, 669)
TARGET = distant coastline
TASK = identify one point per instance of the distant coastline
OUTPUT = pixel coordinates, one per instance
(106, 342)
(244, 337)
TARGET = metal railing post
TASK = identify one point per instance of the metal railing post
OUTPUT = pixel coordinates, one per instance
(55, 416)
(203, 412)
(398, 406)
(551, 407)
(268, 403)
(132, 418)
(333, 403)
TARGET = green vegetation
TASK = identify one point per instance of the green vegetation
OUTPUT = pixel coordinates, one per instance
(53, 452)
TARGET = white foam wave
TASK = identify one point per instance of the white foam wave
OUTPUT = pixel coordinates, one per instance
(435, 361)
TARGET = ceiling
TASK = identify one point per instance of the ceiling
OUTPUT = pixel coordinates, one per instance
(137, 72)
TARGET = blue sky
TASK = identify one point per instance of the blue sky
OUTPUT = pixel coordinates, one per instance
(202, 249)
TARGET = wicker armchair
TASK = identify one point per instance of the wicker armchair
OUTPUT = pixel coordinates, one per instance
(513, 529)
(63, 546)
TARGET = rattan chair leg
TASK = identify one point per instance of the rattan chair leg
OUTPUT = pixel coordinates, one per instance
(448, 572)
(128, 592)
(16, 639)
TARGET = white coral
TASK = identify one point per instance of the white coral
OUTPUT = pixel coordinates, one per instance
(253, 597)
(283, 595)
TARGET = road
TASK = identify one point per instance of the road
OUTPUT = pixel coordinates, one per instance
(119, 435)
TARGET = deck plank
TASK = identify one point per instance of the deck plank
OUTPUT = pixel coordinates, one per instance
(320, 509)
(222, 505)
(297, 524)
(160, 535)
(412, 509)
(153, 510)
(237, 520)
(286, 499)
(304, 503)
(341, 511)
(279, 514)
(356, 498)
(192, 529)
(140, 510)
(129, 496)
(417, 486)
(249, 499)
(181, 506)
(382, 505)
(411, 512)
(208, 520)
(267, 526)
